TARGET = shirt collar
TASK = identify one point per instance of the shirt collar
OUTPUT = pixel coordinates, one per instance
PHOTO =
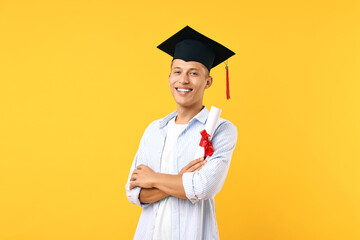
(201, 117)
(163, 122)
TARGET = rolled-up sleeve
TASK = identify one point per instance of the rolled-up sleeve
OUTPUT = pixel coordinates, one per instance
(207, 182)
(133, 194)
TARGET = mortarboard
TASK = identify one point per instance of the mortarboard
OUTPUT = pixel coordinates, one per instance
(190, 45)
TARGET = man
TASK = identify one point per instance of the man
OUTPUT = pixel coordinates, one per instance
(177, 192)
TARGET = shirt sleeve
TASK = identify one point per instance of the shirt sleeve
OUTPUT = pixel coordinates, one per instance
(207, 182)
(133, 194)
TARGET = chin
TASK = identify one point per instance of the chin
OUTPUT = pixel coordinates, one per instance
(182, 103)
(185, 104)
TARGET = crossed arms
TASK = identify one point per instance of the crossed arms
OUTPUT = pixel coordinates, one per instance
(144, 186)
(156, 186)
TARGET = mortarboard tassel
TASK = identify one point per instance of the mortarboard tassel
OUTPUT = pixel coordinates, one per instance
(227, 81)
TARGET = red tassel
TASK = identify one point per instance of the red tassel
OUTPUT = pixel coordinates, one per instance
(227, 83)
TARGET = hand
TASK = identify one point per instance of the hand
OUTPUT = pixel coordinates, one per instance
(142, 177)
(194, 165)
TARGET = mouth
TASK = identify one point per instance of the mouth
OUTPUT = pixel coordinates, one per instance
(183, 90)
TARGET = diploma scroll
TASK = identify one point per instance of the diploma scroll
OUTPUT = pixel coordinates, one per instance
(210, 126)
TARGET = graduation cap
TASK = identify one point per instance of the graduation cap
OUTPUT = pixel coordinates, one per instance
(190, 45)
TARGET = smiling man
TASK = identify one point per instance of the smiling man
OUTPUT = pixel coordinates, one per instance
(175, 190)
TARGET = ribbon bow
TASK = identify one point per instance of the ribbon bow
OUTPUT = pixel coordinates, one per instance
(206, 143)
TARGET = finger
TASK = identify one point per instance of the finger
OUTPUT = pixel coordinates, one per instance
(135, 172)
(200, 167)
(141, 166)
(132, 185)
(196, 166)
(133, 177)
(196, 161)
(191, 164)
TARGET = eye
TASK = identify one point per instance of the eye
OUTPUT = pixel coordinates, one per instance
(193, 73)
(176, 72)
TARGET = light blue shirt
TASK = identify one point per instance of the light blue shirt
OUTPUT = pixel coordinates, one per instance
(192, 218)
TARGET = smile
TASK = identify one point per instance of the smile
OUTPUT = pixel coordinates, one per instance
(183, 90)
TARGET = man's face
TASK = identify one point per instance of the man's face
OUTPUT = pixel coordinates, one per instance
(188, 81)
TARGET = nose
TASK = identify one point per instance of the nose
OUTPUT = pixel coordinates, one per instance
(184, 79)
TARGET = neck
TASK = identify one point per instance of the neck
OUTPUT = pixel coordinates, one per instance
(184, 115)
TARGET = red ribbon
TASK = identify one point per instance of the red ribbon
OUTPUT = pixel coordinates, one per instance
(227, 83)
(206, 143)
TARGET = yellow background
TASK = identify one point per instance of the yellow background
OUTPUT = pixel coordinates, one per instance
(81, 80)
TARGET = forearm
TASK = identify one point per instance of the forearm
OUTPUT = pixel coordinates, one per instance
(170, 184)
(150, 195)
(167, 184)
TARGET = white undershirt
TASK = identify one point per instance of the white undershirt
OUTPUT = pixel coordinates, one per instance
(163, 220)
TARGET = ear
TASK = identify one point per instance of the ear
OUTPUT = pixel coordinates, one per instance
(209, 81)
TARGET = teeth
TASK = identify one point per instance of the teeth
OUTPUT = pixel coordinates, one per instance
(184, 90)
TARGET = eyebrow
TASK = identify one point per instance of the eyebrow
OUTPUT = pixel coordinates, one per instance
(197, 69)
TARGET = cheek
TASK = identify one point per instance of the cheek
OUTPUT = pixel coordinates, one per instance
(200, 84)
(171, 80)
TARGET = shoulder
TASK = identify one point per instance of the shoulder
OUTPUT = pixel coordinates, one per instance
(225, 129)
(224, 124)
(152, 127)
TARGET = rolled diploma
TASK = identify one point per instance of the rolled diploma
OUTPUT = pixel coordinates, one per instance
(210, 126)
